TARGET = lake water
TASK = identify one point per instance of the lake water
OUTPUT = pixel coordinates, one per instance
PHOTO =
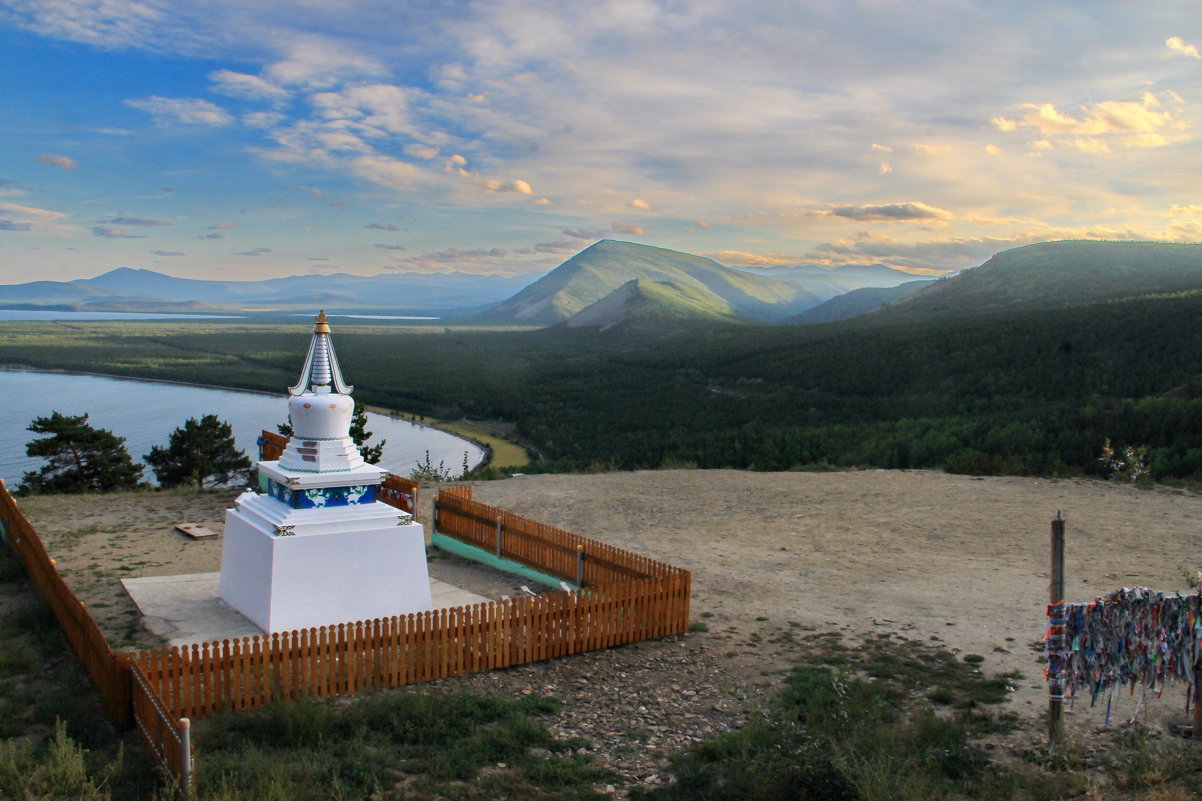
(146, 412)
(24, 314)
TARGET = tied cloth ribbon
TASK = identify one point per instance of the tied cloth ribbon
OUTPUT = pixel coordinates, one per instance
(1131, 636)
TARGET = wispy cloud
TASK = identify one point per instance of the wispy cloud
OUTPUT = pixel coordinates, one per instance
(382, 226)
(11, 187)
(139, 221)
(182, 110)
(577, 233)
(8, 225)
(745, 259)
(61, 162)
(248, 87)
(631, 229)
(36, 220)
(887, 212)
(166, 253)
(108, 232)
(254, 252)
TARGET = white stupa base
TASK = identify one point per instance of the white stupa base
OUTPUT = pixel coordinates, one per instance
(289, 569)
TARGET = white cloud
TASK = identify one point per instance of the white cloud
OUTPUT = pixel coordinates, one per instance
(992, 150)
(1090, 145)
(262, 119)
(1140, 121)
(248, 87)
(1193, 209)
(62, 162)
(931, 150)
(182, 110)
(888, 212)
(639, 203)
(1178, 45)
(885, 168)
(628, 228)
(882, 148)
(317, 62)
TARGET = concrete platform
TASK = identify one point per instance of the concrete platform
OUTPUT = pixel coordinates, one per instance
(188, 609)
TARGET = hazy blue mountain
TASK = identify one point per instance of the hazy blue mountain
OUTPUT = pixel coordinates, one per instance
(838, 280)
(642, 303)
(143, 290)
(598, 270)
(855, 303)
(1054, 274)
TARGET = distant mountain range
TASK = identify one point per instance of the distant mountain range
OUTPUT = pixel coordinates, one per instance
(611, 283)
(702, 286)
(126, 289)
(1054, 274)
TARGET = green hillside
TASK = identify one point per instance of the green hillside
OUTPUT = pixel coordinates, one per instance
(856, 302)
(641, 304)
(1052, 274)
(600, 269)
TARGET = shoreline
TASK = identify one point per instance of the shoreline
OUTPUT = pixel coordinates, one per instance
(372, 409)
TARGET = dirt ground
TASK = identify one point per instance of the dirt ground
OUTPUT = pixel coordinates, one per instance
(949, 559)
(925, 554)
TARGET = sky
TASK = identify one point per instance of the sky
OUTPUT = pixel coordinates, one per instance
(247, 139)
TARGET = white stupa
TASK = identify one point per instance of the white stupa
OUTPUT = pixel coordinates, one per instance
(319, 548)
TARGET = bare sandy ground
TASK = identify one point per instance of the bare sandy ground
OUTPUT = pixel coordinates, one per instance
(930, 556)
(924, 554)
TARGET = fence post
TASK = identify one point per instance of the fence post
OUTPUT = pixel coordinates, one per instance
(500, 530)
(434, 528)
(185, 758)
(1057, 619)
(579, 565)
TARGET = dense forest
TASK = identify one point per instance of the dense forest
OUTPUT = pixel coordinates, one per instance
(1024, 392)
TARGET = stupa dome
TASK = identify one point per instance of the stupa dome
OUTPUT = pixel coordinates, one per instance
(320, 411)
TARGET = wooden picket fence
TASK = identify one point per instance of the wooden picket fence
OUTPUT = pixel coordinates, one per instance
(582, 560)
(347, 658)
(628, 598)
(128, 704)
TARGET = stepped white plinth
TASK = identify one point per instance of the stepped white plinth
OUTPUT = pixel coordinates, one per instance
(290, 568)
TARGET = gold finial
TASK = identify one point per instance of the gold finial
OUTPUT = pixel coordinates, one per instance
(322, 327)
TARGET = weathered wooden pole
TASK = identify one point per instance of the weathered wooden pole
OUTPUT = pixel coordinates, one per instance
(579, 565)
(500, 535)
(1056, 621)
(185, 758)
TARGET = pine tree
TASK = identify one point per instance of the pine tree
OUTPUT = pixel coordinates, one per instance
(81, 458)
(359, 433)
(201, 451)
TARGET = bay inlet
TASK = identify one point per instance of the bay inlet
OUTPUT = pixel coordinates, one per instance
(146, 412)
